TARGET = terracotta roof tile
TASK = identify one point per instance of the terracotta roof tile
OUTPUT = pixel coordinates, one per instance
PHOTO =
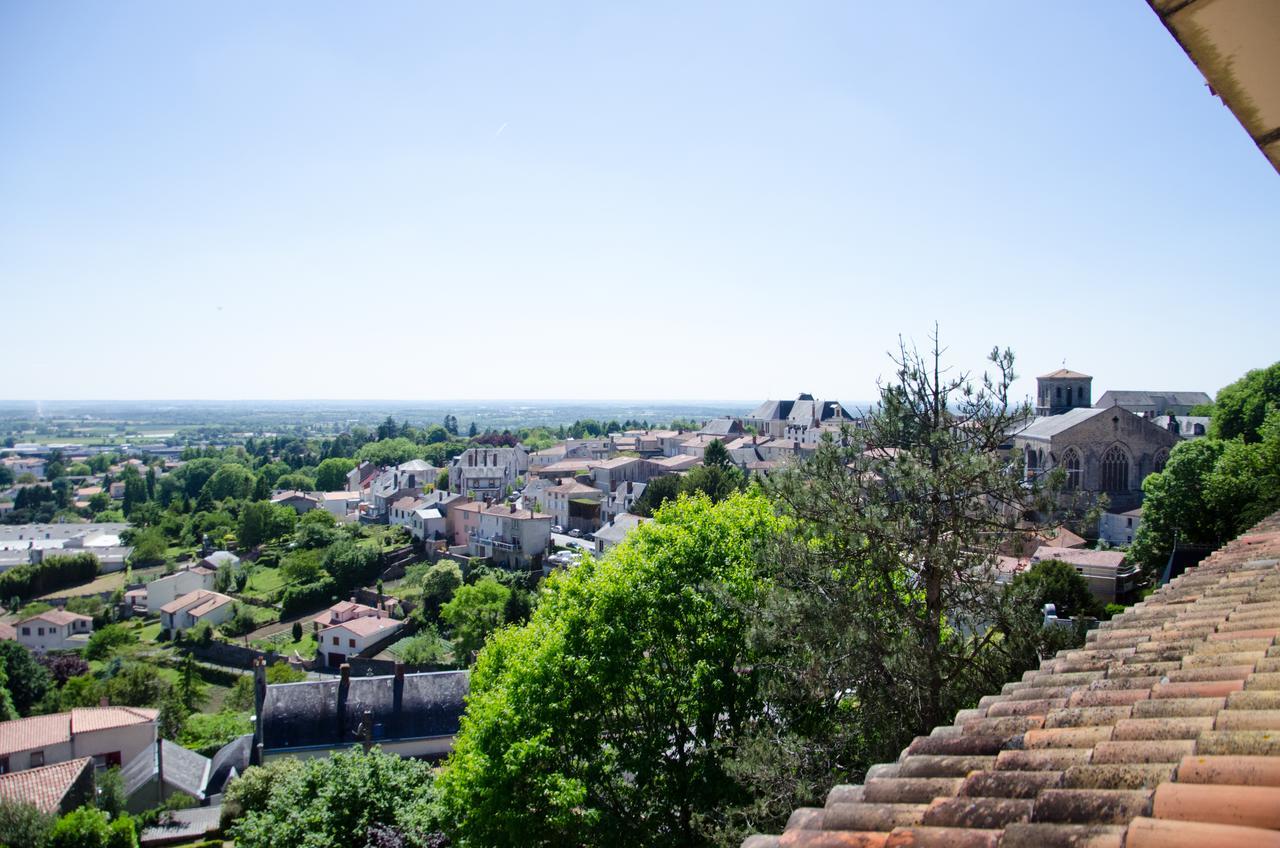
(1163, 730)
(44, 787)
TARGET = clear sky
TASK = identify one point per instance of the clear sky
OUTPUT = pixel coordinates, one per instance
(643, 200)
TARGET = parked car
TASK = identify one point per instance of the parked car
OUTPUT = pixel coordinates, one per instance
(556, 528)
(575, 533)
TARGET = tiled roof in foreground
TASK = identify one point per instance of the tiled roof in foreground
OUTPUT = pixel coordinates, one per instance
(1163, 730)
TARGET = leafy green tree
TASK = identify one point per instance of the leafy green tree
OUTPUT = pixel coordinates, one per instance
(715, 481)
(1055, 582)
(333, 801)
(1209, 491)
(716, 454)
(191, 689)
(388, 452)
(442, 480)
(231, 480)
(882, 615)
(316, 529)
(262, 521)
(424, 648)
(282, 672)
(105, 641)
(1240, 408)
(28, 681)
(8, 711)
(23, 824)
(474, 613)
(608, 718)
(87, 827)
(331, 475)
(439, 584)
(297, 480)
(149, 546)
(658, 491)
(350, 563)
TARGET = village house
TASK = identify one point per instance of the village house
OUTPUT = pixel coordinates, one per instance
(1186, 426)
(361, 477)
(164, 590)
(54, 630)
(299, 502)
(195, 607)
(412, 715)
(696, 446)
(511, 537)
(611, 473)
(483, 473)
(435, 516)
(1110, 577)
(19, 465)
(1119, 528)
(797, 419)
(623, 498)
(111, 736)
(574, 505)
(567, 468)
(339, 504)
(53, 789)
(674, 464)
(357, 632)
(611, 535)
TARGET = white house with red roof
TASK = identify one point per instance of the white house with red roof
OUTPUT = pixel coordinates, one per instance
(355, 634)
(165, 590)
(112, 736)
(193, 608)
(54, 630)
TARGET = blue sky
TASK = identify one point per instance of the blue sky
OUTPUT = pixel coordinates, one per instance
(659, 200)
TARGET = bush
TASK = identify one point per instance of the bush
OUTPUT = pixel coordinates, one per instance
(308, 596)
(23, 824)
(90, 828)
(103, 643)
(206, 733)
(240, 622)
(334, 801)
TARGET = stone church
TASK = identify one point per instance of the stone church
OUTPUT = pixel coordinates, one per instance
(1102, 449)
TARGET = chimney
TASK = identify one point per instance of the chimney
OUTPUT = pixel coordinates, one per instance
(344, 686)
(104, 702)
(513, 508)
(353, 599)
(399, 674)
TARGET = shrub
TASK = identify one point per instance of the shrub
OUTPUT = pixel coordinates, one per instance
(23, 824)
(90, 828)
(103, 643)
(308, 596)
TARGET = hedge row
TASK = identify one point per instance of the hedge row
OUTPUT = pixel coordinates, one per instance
(55, 572)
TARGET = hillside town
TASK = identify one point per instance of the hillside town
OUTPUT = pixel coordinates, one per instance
(244, 616)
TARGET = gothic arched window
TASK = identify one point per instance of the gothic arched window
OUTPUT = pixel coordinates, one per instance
(1115, 470)
(1161, 459)
(1071, 462)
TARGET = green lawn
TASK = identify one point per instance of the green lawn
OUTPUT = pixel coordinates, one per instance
(264, 582)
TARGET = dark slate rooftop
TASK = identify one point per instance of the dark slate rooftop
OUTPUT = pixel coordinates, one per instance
(308, 714)
(231, 760)
(1163, 731)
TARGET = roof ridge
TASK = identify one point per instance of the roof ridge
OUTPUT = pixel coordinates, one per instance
(1158, 731)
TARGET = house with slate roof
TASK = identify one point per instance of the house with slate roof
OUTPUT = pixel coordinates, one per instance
(1154, 404)
(1163, 731)
(413, 715)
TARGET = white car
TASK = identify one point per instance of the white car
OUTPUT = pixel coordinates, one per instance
(556, 528)
(575, 533)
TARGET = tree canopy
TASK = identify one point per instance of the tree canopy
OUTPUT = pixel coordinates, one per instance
(606, 719)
